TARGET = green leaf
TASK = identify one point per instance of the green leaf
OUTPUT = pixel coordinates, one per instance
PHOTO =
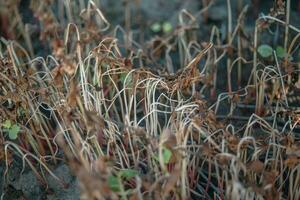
(167, 154)
(155, 157)
(6, 124)
(13, 132)
(265, 50)
(123, 78)
(167, 27)
(156, 27)
(21, 111)
(128, 173)
(280, 52)
(113, 183)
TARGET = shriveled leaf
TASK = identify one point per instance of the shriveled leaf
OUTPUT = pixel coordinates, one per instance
(13, 132)
(128, 173)
(256, 166)
(171, 181)
(94, 120)
(168, 139)
(68, 66)
(57, 76)
(134, 196)
(293, 150)
(265, 50)
(72, 96)
(292, 161)
(270, 177)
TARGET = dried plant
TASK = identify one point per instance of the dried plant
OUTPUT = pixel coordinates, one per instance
(130, 130)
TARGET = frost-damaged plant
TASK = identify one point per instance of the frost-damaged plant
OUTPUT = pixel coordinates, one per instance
(138, 133)
(134, 120)
(24, 102)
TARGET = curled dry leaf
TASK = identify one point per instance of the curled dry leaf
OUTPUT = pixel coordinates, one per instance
(94, 121)
(292, 161)
(73, 94)
(256, 166)
(2, 152)
(128, 63)
(293, 150)
(233, 142)
(269, 177)
(171, 181)
(68, 65)
(207, 150)
(168, 139)
(94, 185)
(293, 155)
(57, 76)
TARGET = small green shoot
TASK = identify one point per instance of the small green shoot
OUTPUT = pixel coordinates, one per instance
(13, 132)
(265, 50)
(166, 154)
(167, 27)
(12, 129)
(123, 78)
(6, 124)
(113, 183)
(128, 173)
(280, 52)
(156, 27)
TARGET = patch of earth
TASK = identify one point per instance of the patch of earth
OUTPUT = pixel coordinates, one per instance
(25, 186)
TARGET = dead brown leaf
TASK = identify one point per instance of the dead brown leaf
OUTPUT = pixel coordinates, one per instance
(256, 166)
